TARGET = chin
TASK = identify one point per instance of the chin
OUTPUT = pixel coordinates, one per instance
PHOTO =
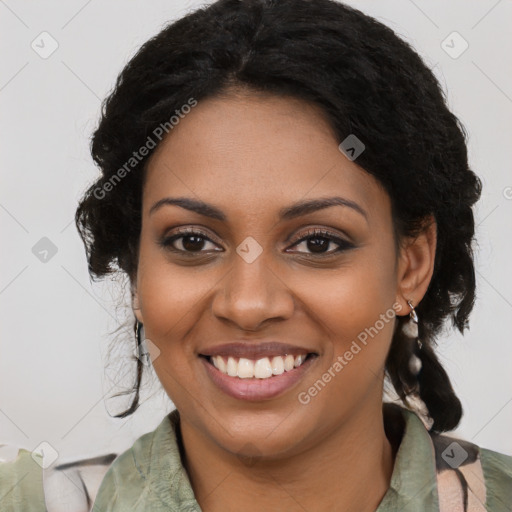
(256, 435)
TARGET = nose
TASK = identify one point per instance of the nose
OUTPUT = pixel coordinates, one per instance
(252, 294)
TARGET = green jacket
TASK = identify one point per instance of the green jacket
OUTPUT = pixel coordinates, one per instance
(149, 476)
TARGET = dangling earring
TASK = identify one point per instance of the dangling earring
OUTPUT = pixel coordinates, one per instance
(139, 338)
(410, 329)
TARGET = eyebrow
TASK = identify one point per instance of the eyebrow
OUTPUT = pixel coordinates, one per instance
(290, 212)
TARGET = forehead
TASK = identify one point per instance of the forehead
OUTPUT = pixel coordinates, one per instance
(253, 152)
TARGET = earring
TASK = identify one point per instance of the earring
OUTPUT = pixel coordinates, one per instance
(410, 329)
(139, 337)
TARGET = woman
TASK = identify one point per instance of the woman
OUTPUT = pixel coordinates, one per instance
(290, 197)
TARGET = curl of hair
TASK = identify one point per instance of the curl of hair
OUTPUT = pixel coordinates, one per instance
(367, 81)
(432, 384)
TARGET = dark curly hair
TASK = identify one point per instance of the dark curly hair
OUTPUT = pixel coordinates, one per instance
(368, 82)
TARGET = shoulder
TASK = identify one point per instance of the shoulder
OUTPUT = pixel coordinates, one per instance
(131, 465)
(74, 485)
(497, 469)
(484, 475)
(126, 481)
(466, 474)
(21, 480)
(26, 484)
(495, 462)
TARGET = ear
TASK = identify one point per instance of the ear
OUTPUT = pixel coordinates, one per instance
(136, 303)
(416, 265)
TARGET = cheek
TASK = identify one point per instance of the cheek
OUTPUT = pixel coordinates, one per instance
(168, 293)
(170, 301)
(354, 307)
(366, 298)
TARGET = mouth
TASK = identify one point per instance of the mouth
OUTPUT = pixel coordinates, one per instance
(257, 379)
(263, 368)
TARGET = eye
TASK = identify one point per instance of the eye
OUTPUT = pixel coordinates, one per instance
(318, 240)
(192, 241)
(188, 241)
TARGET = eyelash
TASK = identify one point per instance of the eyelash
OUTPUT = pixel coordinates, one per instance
(344, 245)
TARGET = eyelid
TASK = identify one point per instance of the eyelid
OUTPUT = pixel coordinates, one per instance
(321, 232)
(342, 242)
(195, 230)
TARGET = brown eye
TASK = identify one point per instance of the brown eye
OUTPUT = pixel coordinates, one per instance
(317, 241)
(189, 241)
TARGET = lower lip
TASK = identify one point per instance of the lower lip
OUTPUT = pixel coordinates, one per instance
(257, 389)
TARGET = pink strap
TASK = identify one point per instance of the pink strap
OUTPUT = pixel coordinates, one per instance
(451, 493)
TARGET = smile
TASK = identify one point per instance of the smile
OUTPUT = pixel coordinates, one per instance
(263, 368)
(257, 379)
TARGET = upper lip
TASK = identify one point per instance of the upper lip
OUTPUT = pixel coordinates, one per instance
(251, 350)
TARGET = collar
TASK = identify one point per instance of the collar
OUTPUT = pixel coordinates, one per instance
(413, 483)
(167, 477)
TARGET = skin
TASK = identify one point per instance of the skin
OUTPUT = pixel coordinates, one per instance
(251, 155)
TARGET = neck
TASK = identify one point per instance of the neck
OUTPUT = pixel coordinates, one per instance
(333, 475)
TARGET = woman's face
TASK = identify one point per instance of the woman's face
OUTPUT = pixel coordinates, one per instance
(255, 276)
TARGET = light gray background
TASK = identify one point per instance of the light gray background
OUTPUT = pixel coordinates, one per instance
(55, 324)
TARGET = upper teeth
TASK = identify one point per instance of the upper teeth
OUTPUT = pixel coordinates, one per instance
(261, 369)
